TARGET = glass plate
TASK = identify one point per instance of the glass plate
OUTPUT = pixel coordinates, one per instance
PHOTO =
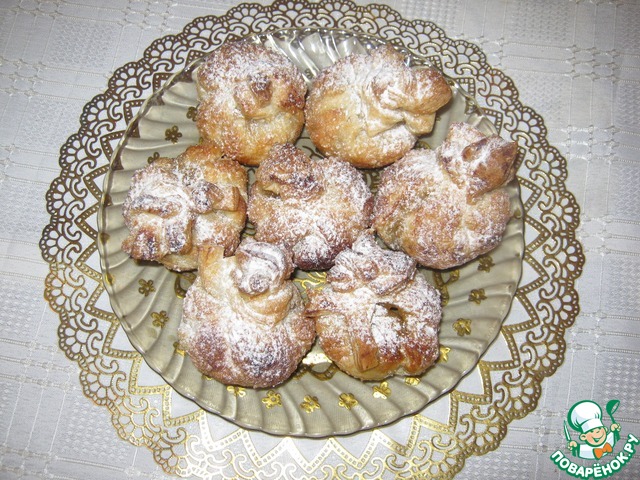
(318, 400)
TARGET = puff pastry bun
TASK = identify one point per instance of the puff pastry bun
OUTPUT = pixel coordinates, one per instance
(376, 316)
(311, 208)
(176, 205)
(243, 321)
(446, 207)
(370, 109)
(251, 98)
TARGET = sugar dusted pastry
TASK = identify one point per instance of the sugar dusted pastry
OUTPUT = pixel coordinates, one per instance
(370, 109)
(243, 321)
(311, 208)
(176, 205)
(446, 207)
(251, 97)
(376, 316)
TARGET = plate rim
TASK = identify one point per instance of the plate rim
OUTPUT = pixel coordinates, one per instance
(134, 339)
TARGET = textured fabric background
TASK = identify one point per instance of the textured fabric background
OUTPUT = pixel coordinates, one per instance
(576, 62)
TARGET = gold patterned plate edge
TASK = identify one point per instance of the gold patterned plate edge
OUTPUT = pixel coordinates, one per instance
(547, 302)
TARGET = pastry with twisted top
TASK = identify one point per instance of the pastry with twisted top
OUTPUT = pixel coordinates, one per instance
(370, 109)
(176, 205)
(243, 321)
(448, 206)
(311, 208)
(251, 97)
(376, 316)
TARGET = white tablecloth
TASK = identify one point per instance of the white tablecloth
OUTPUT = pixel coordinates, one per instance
(575, 62)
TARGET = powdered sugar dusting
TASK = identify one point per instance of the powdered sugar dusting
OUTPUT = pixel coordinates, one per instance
(176, 205)
(375, 316)
(479, 163)
(251, 97)
(238, 63)
(259, 266)
(448, 206)
(369, 109)
(312, 208)
(158, 213)
(243, 320)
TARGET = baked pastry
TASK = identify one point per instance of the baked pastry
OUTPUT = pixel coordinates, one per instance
(370, 109)
(447, 206)
(243, 321)
(176, 205)
(376, 316)
(311, 208)
(251, 97)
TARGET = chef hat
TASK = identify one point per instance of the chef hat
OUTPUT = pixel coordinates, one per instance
(585, 416)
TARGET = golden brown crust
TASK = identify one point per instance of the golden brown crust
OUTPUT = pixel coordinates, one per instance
(243, 322)
(176, 205)
(251, 98)
(370, 109)
(464, 155)
(447, 207)
(311, 208)
(375, 317)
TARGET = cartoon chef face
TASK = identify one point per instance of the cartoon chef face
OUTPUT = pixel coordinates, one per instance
(595, 437)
